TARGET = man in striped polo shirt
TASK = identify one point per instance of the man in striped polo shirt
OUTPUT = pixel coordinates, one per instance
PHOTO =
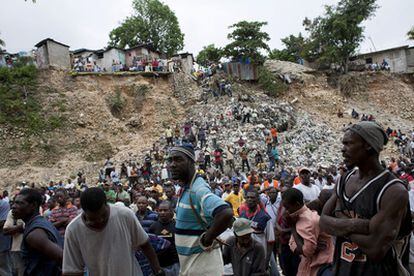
(201, 217)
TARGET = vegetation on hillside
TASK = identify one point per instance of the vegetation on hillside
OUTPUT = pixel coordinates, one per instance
(270, 83)
(116, 103)
(20, 101)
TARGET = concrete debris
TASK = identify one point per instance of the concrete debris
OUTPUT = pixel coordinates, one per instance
(289, 70)
(302, 142)
(185, 88)
(310, 144)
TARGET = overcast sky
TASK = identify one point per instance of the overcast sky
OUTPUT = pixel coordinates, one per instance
(87, 23)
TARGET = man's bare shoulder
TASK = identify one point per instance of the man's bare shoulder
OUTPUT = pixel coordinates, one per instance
(394, 193)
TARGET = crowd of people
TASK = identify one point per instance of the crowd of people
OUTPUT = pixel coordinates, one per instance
(187, 209)
(139, 64)
(81, 64)
(384, 66)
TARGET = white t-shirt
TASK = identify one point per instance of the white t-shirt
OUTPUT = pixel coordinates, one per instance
(18, 237)
(309, 192)
(272, 209)
(328, 187)
(107, 252)
(320, 183)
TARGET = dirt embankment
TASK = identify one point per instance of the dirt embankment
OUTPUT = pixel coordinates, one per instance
(388, 97)
(104, 115)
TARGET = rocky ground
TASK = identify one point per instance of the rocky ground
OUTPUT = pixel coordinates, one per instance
(306, 113)
(91, 131)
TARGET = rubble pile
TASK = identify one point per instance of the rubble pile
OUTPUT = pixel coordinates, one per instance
(185, 88)
(302, 141)
(290, 70)
(311, 144)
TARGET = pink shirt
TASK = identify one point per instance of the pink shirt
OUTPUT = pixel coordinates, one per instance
(307, 227)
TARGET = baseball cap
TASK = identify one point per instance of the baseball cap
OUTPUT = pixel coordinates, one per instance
(242, 227)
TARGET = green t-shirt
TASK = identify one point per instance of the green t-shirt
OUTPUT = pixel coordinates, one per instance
(123, 195)
(110, 196)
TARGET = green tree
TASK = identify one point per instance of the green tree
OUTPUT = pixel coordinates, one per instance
(294, 49)
(209, 54)
(2, 43)
(152, 22)
(335, 36)
(411, 34)
(248, 40)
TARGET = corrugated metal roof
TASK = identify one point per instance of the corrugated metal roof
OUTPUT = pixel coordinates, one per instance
(381, 51)
(49, 39)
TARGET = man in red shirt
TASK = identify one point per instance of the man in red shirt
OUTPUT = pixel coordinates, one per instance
(273, 131)
(155, 65)
(218, 159)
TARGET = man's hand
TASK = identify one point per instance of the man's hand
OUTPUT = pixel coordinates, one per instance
(336, 222)
(205, 240)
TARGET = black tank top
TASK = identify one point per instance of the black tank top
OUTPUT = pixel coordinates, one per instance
(351, 260)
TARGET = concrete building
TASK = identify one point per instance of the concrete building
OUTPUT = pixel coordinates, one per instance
(52, 53)
(91, 57)
(110, 56)
(186, 60)
(410, 59)
(82, 53)
(143, 51)
(400, 59)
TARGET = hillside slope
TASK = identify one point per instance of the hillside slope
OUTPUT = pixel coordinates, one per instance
(93, 129)
(388, 97)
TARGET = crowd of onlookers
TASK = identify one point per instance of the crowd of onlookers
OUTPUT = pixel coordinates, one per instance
(139, 64)
(384, 66)
(154, 199)
(262, 192)
(254, 188)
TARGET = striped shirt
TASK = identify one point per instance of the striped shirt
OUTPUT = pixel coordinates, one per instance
(188, 229)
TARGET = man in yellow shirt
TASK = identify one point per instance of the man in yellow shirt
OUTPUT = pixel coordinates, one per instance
(156, 186)
(235, 199)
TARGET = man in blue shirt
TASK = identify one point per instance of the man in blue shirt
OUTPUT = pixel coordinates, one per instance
(201, 217)
(42, 244)
(145, 216)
